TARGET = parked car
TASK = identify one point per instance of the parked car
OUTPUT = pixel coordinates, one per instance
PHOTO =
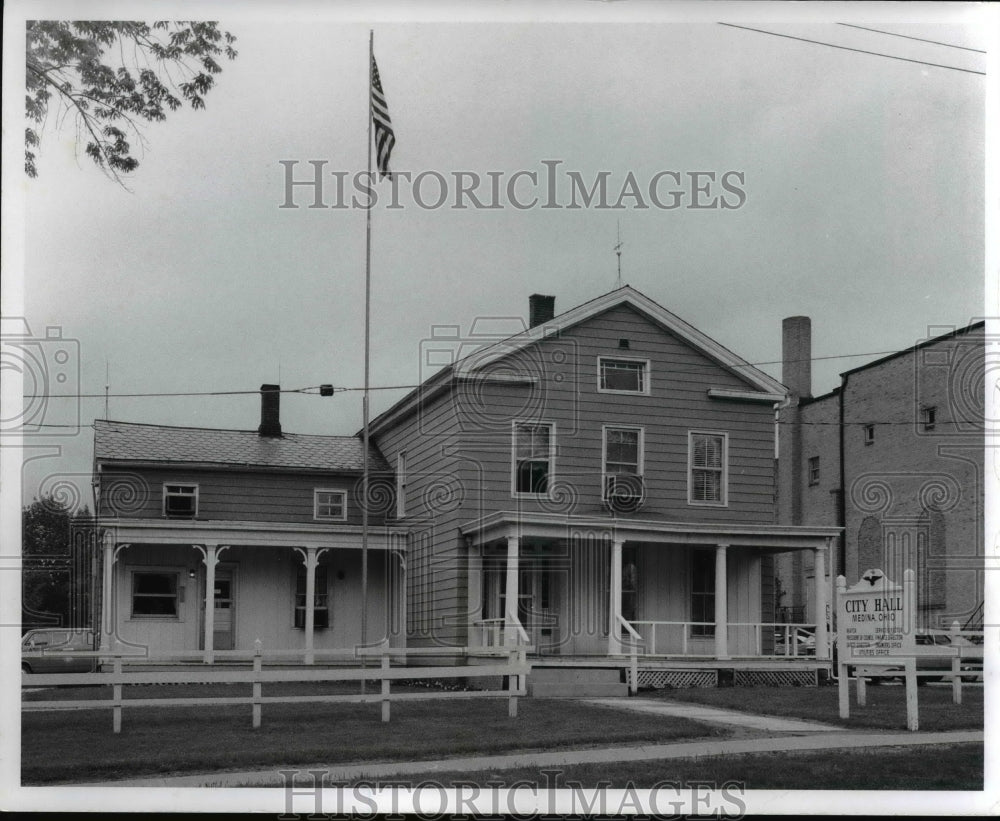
(50, 650)
(935, 650)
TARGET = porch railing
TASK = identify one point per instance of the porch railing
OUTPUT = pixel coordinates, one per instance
(695, 638)
(632, 645)
(492, 633)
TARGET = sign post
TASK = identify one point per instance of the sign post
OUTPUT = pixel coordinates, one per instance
(876, 629)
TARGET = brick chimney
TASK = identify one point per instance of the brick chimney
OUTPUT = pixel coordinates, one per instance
(270, 415)
(796, 355)
(541, 309)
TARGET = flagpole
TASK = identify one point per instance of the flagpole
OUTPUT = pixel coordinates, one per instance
(364, 411)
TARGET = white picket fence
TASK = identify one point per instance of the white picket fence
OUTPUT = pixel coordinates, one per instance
(512, 665)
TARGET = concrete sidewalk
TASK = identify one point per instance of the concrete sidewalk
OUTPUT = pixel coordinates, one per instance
(426, 769)
(716, 715)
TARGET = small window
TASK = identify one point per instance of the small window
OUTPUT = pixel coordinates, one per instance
(703, 593)
(814, 470)
(869, 434)
(533, 458)
(321, 598)
(154, 595)
(928, 417)
(707, 468)
(330, 505)
(623, 375)
(180, 501)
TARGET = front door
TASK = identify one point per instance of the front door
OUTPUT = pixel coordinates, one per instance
(536, 607)
(225, 609)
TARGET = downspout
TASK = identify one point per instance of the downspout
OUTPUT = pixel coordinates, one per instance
(842, 512)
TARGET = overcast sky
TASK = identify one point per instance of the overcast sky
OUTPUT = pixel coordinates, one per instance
(863, 178)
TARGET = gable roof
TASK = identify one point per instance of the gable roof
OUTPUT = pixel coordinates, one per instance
(206, 447)
(466, 368)
(626, 295)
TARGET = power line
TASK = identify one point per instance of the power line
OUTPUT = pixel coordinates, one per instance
(875, 423)
(848, 48)
(908, 37)
(314, 390)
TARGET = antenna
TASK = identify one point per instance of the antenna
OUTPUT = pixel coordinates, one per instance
(618, 251)
(107, 386)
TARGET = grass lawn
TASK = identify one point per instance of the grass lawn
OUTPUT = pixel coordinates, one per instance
(886, 708)
(955, 767)
(67, 746)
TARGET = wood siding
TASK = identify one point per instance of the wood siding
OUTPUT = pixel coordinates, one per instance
(229, 495)
(458, 451)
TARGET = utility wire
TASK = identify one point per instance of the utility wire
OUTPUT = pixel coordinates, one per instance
(908, 37)
(313, 390)
(768, 422)
(848, 48)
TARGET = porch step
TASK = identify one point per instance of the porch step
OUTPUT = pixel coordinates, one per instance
(575, 682)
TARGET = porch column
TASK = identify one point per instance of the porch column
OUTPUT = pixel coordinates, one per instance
(474, 585)
(210, 562)
(721, 601)
(819, 565)
(107, 592)
(510, 597)
(615, 603)
(401, 597)
(310, 559)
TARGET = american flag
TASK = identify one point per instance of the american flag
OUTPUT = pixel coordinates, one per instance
(384, 138)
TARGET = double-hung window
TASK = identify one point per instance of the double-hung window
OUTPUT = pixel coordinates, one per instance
(622, 375)
(534, 450)
(623, 460)
(330, 505)
(707, 468)
(180, 501)
(703, 593)
(321, 598)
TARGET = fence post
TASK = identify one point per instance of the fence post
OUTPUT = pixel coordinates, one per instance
(862, 686)
(117, 694)
(912, 710)
(385, 688)
(512, 684)
(256, 683)
(956, 663)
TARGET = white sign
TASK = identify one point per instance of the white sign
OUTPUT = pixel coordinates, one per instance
(874, 621)
(875, 627)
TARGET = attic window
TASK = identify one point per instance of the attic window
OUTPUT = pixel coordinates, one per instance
(180, 501)
(623, 343)
(330, 505)
(623, 375)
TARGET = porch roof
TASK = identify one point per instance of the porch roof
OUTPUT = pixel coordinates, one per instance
(250, 534)
(555, 526)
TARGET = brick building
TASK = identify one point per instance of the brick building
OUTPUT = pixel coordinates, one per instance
(894, 456)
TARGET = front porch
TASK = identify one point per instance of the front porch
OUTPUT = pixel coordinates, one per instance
(580, 591)
(198, 590)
